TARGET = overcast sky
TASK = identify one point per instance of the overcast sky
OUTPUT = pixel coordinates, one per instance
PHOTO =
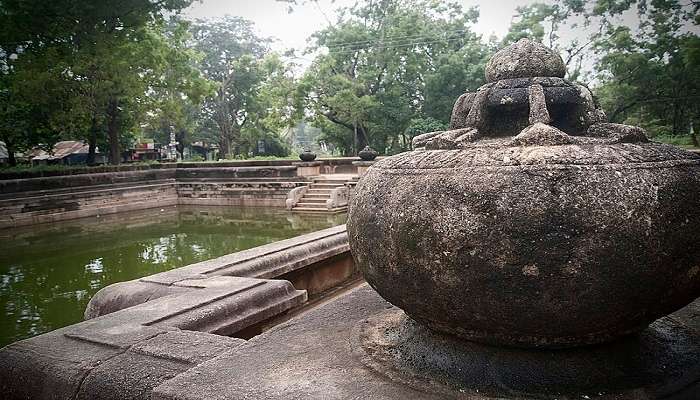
(272, 19)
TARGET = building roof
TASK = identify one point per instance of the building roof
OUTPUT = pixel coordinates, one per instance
(62, 150)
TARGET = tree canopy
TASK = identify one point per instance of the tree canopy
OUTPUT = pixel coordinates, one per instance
(386, 63)
(382, 72)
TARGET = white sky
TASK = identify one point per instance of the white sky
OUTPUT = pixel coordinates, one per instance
(292, 30)
(272, 19)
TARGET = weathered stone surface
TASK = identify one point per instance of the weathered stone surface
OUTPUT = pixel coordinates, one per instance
(367, 154)
(526, 86)
(557, 246)
(541, 134)
(133, 344)
(326, 354)
(543, 227)
(657, 363)
(135, 373)
(618, 132)
(461, 110)
(308, 168)
(126, 353)
(47, 199)
(421, 140)
(538, 105)
(524, 59)
(362, 167)
(49, 366)
(307, 156)
(55, 366)
(126, 294)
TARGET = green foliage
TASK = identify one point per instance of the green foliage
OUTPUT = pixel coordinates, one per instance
(383, 63)
(419, 126)
(677, 140)
(109, 71)
(651, 72)
(253, 87)
(84, 69)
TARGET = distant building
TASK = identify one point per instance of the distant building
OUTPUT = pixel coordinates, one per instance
(206, 151)
(144, 150)
(68, 152)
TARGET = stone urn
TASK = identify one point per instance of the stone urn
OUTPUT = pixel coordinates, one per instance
(532, 222)
(307, 155)
(367, 154)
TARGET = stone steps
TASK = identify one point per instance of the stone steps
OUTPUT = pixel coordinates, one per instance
(314, 200)
(321, 210)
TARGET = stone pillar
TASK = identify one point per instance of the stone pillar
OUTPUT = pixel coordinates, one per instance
(362, 166)
(308, 168)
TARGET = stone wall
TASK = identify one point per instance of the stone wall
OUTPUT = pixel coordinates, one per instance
(29, 201)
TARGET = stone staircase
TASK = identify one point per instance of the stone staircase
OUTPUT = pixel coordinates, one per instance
(320, 191)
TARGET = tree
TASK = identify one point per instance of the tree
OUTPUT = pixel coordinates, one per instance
(25, 109)
(386, 62)
(649, 74)
(233, 60)
(645, 68)
(176, 86)
(90, 53)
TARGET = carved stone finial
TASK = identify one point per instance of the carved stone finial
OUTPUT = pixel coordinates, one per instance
(368, 154)
(307, 155)
(517, 225)
(524, 59)
(527, 88)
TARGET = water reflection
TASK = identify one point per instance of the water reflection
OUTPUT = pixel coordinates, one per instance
(48, 273)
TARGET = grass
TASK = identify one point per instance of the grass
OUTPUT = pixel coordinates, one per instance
(684, 141)
(65, 169)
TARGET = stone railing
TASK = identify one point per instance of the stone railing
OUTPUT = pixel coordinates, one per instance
(294, 196)
(339, 198)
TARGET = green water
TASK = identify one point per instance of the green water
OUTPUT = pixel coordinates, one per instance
(48, 273)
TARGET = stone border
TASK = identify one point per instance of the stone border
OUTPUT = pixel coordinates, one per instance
(263, 262)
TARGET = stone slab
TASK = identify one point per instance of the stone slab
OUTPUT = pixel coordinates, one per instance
(318, 356)
(49, 366)
(134, 373)
(186, 346)
(258, 262)
(55, 366)
(126, 353)
(272, 261)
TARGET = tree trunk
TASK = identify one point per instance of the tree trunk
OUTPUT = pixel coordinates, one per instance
(113, 131)
(10, 154)
(224, 145)
(676, 120)
(361, 138)
(92, 142)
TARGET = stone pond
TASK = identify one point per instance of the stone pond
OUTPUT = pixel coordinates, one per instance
(49, 272)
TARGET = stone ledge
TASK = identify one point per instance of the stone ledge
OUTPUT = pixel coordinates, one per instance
(318, 355)
(127, 353)
(55, 366)
(267, 261)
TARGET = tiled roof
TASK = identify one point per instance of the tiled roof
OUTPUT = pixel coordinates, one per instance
(63, 149)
